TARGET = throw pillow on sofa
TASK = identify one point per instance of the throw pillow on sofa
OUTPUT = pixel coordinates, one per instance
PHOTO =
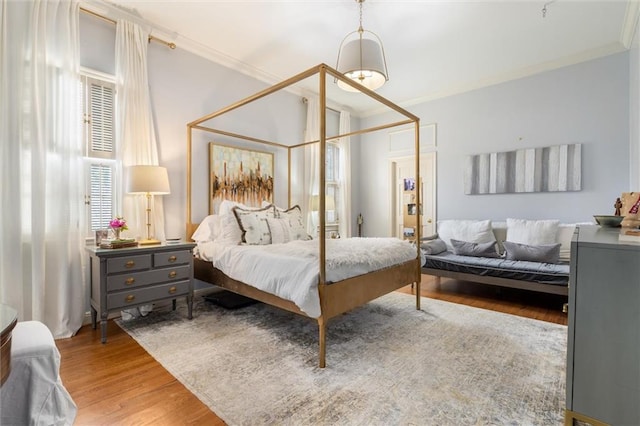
(532, 232)
(434, 246)
(545, 253)
(473, 231)
(465, 248)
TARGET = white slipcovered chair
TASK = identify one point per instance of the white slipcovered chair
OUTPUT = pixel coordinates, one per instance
(33, 393)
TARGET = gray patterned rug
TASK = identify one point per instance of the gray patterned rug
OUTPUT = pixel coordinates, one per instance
(387, 364)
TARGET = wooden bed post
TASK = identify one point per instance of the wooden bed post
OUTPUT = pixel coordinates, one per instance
(419, 204)
(322, 338)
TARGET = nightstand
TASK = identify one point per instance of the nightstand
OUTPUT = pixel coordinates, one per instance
(133, 276)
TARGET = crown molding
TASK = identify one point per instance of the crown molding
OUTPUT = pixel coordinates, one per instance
(234, 64)
(114, 12)
(587, 55)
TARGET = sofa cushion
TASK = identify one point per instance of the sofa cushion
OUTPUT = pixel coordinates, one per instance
(473, 231)
(465, 248)
(434, 246)
(544, 253)
(532, 232)
(565, 235)
(547, 273)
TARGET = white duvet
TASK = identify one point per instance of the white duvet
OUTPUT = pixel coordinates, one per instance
(291, 271)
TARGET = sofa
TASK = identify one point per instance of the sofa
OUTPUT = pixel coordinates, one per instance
(518, 253)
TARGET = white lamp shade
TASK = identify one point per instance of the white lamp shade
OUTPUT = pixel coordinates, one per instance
(147, 180)
(362, 61)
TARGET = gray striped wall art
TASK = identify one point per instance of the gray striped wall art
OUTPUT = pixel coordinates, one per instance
(548, 169)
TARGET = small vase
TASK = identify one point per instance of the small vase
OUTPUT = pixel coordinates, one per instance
(116, 233)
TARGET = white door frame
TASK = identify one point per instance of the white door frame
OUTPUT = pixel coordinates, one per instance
(402, 147)
(428, 185)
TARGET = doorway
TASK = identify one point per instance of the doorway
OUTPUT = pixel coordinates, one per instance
(405, 211)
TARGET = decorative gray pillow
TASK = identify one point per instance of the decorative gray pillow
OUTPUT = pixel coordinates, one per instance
(545, 253)
(466, 248)
(253, 224)
(435, 246)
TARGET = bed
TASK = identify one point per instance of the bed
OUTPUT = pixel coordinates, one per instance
(332, 293)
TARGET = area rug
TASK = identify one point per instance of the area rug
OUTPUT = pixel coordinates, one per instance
(387, 364)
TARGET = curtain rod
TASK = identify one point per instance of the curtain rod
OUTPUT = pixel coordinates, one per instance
(104, 18)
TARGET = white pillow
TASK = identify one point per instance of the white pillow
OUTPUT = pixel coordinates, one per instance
(472, 231)
(565, 235)
(253, 224)
(265, 203)
(279, 229)
(532, 232)
(208, 230)
(230, 232)
(226, 207)
(293, 216)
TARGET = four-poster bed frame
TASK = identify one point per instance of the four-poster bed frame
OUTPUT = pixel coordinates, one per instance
(337, 297)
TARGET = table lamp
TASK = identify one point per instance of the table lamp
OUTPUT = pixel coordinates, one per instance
(148, 180)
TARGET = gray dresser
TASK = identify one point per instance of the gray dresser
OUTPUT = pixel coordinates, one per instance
(129, 277)
(603, 351)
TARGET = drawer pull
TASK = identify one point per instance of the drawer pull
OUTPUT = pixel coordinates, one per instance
(129, 281)
(172, 259)
(172, 290)
(130, 264)
(130, 298)
(172, 274)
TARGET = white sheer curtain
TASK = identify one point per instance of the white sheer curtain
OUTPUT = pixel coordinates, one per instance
(41, 245)
(344, 204)
(135, 134)
(311, 160)
(135, 131)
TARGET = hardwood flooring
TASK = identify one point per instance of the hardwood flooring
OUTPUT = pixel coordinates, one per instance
(119, 383)
(544, 307)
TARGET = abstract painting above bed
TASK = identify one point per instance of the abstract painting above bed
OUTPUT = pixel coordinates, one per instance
(240, 175)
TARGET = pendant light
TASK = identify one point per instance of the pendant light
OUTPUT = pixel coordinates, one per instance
(361, 58)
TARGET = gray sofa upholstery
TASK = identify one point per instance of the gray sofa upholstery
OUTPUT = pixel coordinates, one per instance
(534, 276)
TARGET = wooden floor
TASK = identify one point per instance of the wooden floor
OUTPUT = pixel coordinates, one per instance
(119, 383)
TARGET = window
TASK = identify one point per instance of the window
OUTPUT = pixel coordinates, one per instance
(100, 199)
(98, 103)
(332, 179)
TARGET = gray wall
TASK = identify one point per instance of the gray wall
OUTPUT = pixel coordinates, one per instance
(587, 103)
(185, 87)
(634, 113)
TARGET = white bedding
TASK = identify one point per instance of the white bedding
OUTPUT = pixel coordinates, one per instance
(291, 270)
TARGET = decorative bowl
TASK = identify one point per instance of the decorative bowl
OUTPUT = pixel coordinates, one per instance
(608, 221)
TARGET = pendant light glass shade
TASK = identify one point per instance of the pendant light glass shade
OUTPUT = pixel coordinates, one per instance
(361, 59)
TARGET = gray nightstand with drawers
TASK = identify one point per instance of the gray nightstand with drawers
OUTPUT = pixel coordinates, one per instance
(134, 276)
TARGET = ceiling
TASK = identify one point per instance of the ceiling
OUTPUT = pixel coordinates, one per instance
(433, 48)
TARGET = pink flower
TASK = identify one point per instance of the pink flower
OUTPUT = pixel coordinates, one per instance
(118, 223)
